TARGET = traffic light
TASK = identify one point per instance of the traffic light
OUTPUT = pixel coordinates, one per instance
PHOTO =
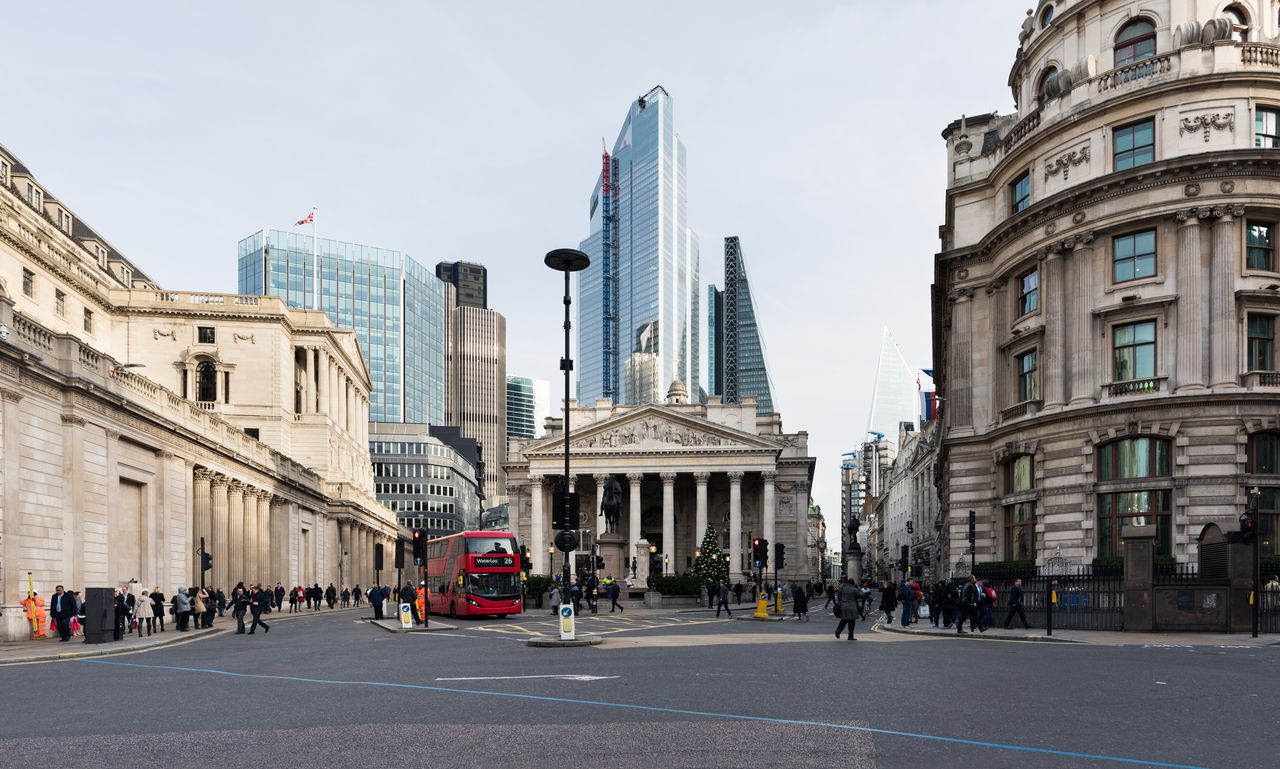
(1248, 524)
(206, 562)
(419, 547)
(526, 563)
(973, 528)
(904, 559)
(599, 562)
(760, 553)
(910, 527)
(780, 555)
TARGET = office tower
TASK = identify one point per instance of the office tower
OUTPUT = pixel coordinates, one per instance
(528, 405)
(895, 399)
(736, 356)
(471, 281)
(395, 305)
(427, 477)
(476, 390)
(638, 302)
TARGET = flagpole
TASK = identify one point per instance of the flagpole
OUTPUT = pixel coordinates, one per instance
(315, 260)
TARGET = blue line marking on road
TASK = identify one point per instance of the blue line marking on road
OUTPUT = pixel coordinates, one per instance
(657, 709)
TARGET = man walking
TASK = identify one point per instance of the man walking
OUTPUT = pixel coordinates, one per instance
(64, 608)
(737, 593)
(969, 607)
(239, 605)
(848, 607)
(1015, 605)
(723, 603)
(908, 596)
(257, 603)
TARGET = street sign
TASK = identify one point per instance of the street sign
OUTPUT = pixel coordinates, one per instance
(406, 618)
(567, 626)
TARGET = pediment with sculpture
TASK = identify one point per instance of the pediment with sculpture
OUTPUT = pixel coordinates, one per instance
(652, 429)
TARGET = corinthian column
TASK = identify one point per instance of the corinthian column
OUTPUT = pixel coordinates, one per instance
(668, 519)
(1053, 361)
(735, 522)
(600, 523)
(1083, 379)
(959, 379)
(265, 573)
(700, 520)
(1223, 329)
(633, 519)
(770, 513)
(220, 498)
(235, 534)
(1190, 341)
(200, 514)
(250, 548)
(535, 525)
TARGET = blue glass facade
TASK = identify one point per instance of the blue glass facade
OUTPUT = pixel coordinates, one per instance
(734, 349)
(632, 347)
(395, 305)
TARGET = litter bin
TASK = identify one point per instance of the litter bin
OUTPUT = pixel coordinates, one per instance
(99, 615)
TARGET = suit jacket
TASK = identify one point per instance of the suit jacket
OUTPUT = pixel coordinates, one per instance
(62, 606)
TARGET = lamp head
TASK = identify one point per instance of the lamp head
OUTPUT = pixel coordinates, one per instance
(567, 260)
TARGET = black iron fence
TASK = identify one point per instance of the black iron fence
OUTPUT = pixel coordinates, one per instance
(1089, 597)
(1269, 611)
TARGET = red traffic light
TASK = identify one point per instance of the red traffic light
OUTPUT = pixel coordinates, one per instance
(755, 543)
(417, 533)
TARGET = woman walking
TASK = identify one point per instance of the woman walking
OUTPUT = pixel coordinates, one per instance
(848, 606)
(555, 600)
(145, 612)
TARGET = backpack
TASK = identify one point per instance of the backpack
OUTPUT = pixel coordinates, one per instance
(991, 595)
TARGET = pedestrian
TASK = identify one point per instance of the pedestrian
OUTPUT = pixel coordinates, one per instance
(63, 608)
(181, 609)
(279, 596)
(614, 591)
(239, 605)
(346, 597)
(198, 606)
(887, 601)
(331, 595)
(258, 601)
(121, 615)
(220, 600)
(1015, 605)
(375, 599)
(575, 594)
(987, 602)
(950, 604)
(969, 608)
(831, 597)
(158, 599)
(555, 600)
(737, 592)
(908, 597)
(847, 607)
(144, 613)
(722, 592)
(713, 593)
(592, 587)
(936, 592)
(317, 596)
(356, 595)
(800, 601)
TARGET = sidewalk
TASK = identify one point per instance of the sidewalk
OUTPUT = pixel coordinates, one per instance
(1094, 637)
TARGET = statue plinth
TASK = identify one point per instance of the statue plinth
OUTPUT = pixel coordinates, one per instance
(613, 549)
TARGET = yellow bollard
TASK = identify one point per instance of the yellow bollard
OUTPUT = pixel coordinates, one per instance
(777, 602)
(762, 608)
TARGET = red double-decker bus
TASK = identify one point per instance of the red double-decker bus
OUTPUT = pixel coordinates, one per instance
(474, 573)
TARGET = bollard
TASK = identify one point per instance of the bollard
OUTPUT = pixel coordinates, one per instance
(762, 607)
(1051, 597)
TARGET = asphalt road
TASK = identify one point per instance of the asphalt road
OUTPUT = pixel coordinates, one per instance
(663, 691)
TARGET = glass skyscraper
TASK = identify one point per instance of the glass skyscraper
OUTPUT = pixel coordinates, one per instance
(735, 350)
(638, 302)
(395, 305)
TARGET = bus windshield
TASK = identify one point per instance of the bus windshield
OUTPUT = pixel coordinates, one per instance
(495, 586)
(484, 545)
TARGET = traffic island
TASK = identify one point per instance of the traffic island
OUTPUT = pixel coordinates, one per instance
(547, 642)
(394, 626)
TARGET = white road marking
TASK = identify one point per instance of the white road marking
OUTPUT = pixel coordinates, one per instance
(565, 677)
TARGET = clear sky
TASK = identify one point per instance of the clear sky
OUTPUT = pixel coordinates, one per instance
(472, 131)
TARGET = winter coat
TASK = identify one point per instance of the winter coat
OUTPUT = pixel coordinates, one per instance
(199, 606)
(555, 597)
(850, 596)
(887, 600)
(143, 608)
(181, 603)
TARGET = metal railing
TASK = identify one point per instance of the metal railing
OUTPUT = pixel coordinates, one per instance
(1089, 597)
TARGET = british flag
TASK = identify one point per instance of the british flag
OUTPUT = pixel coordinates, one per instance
(308, 219)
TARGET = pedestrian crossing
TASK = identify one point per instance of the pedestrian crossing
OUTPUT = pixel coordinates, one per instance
(595, 625)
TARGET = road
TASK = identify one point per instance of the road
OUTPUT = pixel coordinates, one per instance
(670, 690)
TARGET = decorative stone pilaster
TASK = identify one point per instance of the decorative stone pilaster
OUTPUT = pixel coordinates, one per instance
(1223, 330)
(1084, 380)
(1052, 362)
(959, 404)
(1190, 350)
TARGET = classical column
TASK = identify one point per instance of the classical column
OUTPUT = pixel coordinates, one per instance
(1052, 363)
(324, 382)
(1190, 337)
(344, 536)
(735, 522)
(309, 382)
(998, 387)
(1223, 329)
(351, 409)
(959, 384)
(220, 504)
(264, 539)
(769, 515)
(202, 519)
(600, 523)
(700, 516)
(1084, 381)
(634, 480)
(235, 534)
(250, 548)
(536, 542)
(668, 520)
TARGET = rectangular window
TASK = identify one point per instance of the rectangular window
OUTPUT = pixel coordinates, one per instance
(1028, 381)
(1020, 474)
(28, 283)
(88, 320)
(1020, 192)
(1028, 292)
(35, 197)
(1261, 342)
(1020, 532)
(1133, 508)
(1134, 347)
(204, 334)
(60, 303)
(1133, 256)
(1259, 251)
(4, 172)
(1266, 128)
(1135, 145)
(253, 433)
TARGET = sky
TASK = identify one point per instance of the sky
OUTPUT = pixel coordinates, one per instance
(472, 131)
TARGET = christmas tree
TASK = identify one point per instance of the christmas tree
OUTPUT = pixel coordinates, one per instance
(710, 565)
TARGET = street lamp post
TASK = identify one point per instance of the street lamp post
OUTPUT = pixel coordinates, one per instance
(567, 260)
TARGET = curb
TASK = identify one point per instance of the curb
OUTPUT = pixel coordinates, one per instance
(770, 618)
(394, 627)
(545, 642)
(109, 650)
(1028, 637)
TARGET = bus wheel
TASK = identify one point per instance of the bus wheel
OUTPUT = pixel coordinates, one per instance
(453, 611)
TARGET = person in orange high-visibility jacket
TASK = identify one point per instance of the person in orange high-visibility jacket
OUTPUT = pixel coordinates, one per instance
(422, 602)
(34, 605)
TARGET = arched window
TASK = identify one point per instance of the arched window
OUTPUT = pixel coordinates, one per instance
(1239, 22)
(1044, 86)
(1135, 41)
(1129, 459)
(1046, 18)
(206, 382)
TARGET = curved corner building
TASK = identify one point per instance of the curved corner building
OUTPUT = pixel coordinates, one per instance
(1106, 297)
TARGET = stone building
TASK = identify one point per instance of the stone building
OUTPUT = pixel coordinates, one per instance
(1105, 301)
(680, 466)
(135, 420)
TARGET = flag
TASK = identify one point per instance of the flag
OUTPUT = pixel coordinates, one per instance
(309, 219)
(929, 405)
